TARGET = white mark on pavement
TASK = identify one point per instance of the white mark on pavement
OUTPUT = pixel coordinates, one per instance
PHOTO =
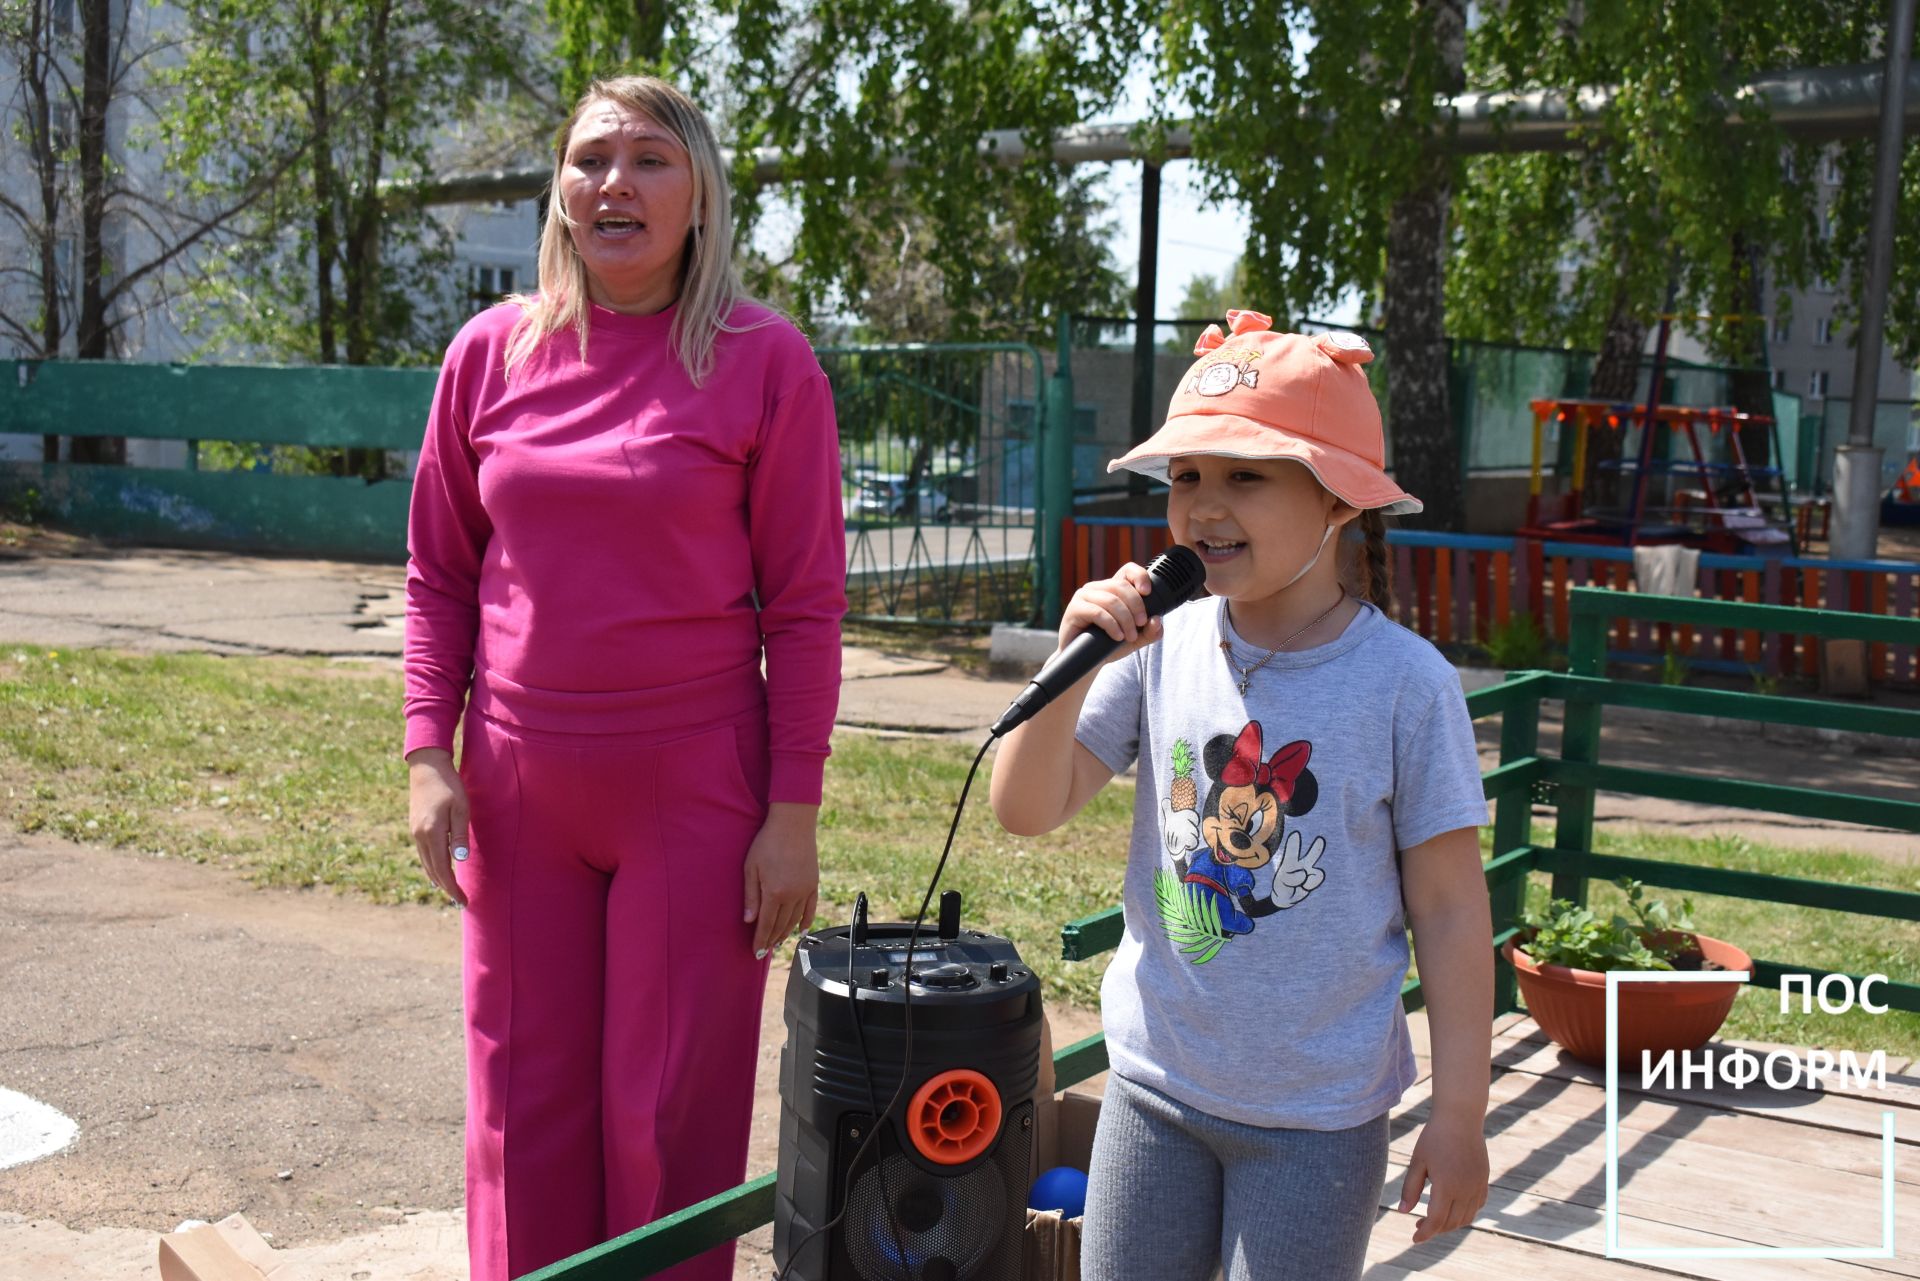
(29, 1129)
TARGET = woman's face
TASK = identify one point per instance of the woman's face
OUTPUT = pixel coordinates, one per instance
(627, 185)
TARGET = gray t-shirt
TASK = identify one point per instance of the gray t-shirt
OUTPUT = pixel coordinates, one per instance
(1259, 975)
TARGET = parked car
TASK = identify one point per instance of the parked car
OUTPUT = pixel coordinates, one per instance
(886, 497)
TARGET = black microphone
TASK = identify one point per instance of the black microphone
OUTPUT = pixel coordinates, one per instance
(1177, 574)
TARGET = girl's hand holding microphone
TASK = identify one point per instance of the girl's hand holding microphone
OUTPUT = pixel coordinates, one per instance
(1116, 606)
(1042, 776)
(437, 816)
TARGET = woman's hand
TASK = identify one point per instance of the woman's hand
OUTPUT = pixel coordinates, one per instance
(1116, 606)
(782, 874)
(437, 816)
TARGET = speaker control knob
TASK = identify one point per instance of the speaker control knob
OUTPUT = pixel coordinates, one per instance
(950, 976)
(997, 971)
(880, 977)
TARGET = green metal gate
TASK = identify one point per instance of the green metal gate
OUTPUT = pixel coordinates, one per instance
(940, 480)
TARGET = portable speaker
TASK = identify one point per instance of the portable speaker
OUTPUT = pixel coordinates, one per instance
(940, 1193)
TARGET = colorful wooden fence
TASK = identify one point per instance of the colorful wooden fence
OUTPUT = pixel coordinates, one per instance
(1457, 589)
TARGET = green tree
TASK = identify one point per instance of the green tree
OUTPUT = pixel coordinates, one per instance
(320, 102)
(1322, 118)
(594, 39)
(1842, 254)
(907, 294)
(1209, 297)
(1577, 247)
(95, 242)
(950, 247)
(841, 88)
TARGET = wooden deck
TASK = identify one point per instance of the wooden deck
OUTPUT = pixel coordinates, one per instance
(1699, 1169)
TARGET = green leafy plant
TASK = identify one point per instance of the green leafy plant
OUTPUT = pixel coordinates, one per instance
(26, 506)
(1674, 667)
(1518, 644)
(1567, 934)
(1763, 681)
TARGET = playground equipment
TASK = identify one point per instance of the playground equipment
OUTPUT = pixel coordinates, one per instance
(1711, 496)
(1901, 506)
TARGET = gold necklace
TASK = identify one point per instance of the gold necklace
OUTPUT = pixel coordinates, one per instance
(1246, 673)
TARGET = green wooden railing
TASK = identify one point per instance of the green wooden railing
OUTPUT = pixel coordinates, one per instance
(1522, 778)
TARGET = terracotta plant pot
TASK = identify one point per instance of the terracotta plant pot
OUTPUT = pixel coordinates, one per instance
(1571, 1005)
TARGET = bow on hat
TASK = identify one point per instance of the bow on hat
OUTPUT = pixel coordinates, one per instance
(1281, 773)
(1240, 322)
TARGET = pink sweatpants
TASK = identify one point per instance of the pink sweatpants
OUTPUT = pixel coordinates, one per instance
(613, 1000)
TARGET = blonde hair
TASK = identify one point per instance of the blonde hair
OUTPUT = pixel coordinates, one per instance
(710, 285)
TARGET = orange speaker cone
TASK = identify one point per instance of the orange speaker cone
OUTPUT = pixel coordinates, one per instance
(954, 1117)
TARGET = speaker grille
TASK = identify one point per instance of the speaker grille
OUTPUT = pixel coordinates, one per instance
(963, 1225)
(939, 1225)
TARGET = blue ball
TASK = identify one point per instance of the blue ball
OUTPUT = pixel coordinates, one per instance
(1062, 1188)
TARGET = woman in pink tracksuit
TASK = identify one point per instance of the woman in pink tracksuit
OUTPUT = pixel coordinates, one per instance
(628, 497)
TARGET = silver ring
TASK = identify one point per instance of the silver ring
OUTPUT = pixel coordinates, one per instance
(459, 853)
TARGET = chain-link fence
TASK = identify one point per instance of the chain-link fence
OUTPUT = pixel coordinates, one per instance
(940, 452)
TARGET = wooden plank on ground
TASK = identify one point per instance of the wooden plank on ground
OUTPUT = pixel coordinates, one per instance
(1479, 1254)
(1699, 1191)
(1693, 1193)
(1577, 1236)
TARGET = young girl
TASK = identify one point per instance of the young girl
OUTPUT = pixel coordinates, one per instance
(1306, 767)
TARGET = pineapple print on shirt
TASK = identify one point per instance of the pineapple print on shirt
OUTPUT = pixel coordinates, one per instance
(1180, 808)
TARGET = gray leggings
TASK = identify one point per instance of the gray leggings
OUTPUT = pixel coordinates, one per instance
(1175, 1192)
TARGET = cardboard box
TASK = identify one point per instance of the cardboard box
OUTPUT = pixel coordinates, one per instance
(1065, 1138)
(230, 1250)
(1843, 668)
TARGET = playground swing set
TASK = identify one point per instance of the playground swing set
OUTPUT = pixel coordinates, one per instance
(1712, 497)
(1717, 504)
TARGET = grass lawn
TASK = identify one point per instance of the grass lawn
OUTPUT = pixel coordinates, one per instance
(286, 770)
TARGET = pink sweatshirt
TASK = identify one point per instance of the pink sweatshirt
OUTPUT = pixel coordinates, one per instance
(588, 542)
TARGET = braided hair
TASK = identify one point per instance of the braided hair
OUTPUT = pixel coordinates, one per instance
(1376, 571)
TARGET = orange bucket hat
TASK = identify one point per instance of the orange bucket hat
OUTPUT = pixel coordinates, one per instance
(1255, 393)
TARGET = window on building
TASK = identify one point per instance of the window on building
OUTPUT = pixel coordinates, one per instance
(488, 282)
(1823, 331)
(1782, 329)
(1817, 384)
(1823, 284)
(65, 260)
(1830, 169)
(1779, 380)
